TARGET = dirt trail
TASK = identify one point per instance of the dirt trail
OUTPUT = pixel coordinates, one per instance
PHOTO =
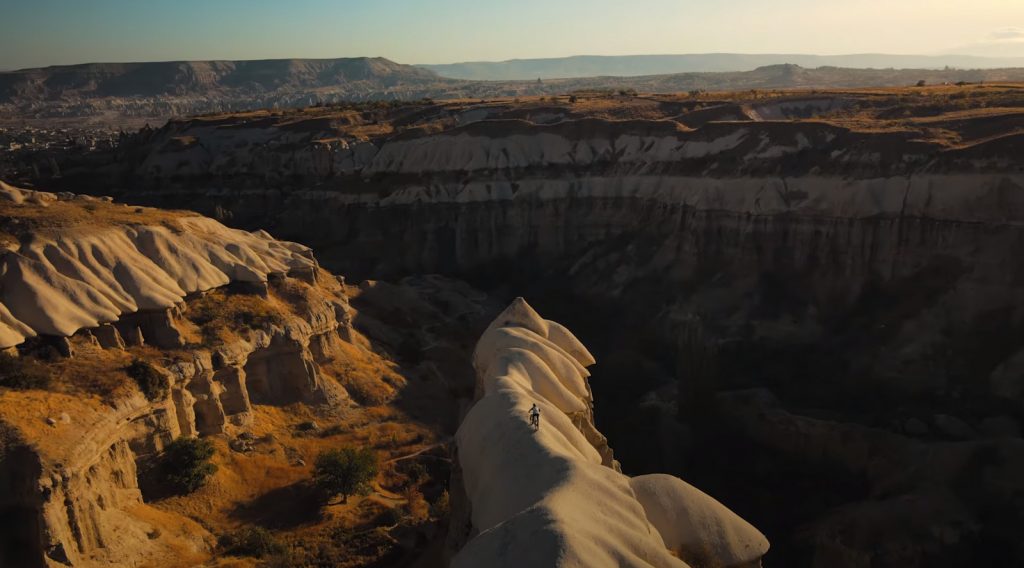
(421, 450)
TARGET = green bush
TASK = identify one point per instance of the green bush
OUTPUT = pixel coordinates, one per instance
(346, 471)
(151, 381)
(22, 373)
(185, 464)
(257, 542)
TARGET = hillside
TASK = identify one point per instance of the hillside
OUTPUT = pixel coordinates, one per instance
(164, 89)
(93, 80)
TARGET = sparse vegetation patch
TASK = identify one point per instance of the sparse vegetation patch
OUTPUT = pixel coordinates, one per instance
(153, 383)
(256, 542)
(185, 464)
(22, 373)
(218, 314)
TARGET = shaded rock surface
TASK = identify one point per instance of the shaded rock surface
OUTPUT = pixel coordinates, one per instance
(560, 502)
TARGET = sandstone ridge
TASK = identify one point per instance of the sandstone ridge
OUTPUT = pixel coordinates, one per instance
(58, 282)
(547, 497)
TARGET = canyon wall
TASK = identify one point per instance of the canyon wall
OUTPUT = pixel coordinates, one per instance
(764, 229)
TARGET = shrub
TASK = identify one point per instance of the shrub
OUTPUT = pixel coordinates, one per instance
(185, 464)
(22, 373)
(251, 541)
(441, 507)
(345, 471)
(307, 426)
(332, 430)
(151, 381)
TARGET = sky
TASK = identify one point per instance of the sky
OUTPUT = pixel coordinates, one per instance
(36, 33)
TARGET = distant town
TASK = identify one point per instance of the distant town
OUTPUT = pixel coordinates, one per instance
(29, 153)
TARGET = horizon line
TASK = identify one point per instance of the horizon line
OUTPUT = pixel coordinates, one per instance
(519, 59)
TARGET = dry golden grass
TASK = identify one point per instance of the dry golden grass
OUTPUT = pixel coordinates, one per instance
(175, 532)
(19, 220)
(369, 379)
(269, 486)
(298, 295)
(93, 370)
(220, 315)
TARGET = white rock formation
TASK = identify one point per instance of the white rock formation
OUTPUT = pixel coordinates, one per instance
(543, 498)
(702, 530)
(59, 282)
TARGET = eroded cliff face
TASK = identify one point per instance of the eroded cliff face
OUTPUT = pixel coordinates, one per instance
(763, 229)
(72, 470)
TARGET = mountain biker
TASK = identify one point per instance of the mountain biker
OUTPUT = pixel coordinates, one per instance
(535, 416)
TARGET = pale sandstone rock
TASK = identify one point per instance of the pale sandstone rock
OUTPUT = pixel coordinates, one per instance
(59, 283)
(550, 497)
(695, 525)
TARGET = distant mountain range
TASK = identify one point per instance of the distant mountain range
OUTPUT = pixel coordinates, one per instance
(638, 65)
(360, 75)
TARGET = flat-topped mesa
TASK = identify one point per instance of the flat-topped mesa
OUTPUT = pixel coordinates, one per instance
(547, 496)
(82, 275)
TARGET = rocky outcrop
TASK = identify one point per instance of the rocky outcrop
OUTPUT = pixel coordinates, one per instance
(78, 484)
(70, 463)
(71, 494)
(56, 283)
(547, 496)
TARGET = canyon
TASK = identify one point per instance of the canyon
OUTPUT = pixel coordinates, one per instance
(804, 303)
(235, 331)
(813, 286)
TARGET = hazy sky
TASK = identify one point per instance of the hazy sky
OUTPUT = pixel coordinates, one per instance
(46, 32)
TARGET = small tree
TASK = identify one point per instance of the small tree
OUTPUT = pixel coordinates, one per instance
(185, 464)
(346, 471)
